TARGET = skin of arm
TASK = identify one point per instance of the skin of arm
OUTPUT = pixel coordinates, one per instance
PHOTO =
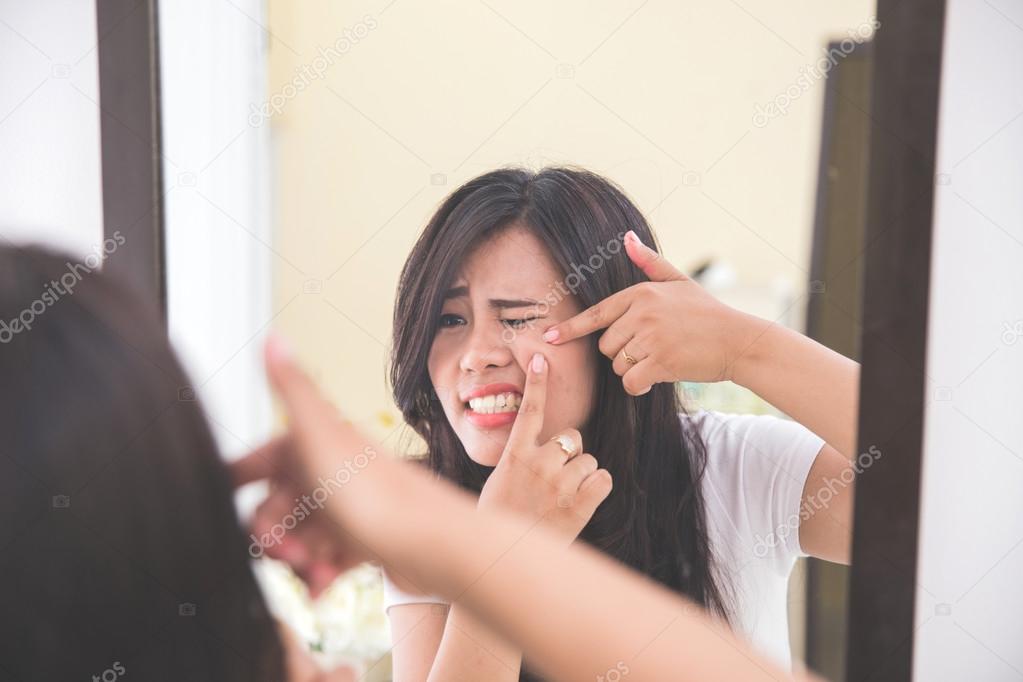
(598, 616)
(436, 642)
(471, 650)
(806, 380)
(416, 631)
(818, 388)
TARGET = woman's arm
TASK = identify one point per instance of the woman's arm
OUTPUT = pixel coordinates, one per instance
(670, 329)
(469, 650)
(578, 614)
(811, 383)
(674, 330)
(818, 388)
(436, 642)
(595, 616)
(416, 631)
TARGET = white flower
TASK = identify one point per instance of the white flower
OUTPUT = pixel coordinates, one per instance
(346, 625)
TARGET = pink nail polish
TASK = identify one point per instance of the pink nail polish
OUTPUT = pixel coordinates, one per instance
(634, 236)
(550, 336)
(538, 363)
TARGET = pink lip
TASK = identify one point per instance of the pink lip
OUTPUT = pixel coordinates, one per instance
(490, 421)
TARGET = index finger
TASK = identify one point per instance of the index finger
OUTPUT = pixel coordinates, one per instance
(320, 432)
(601, 314)
(529, 420)
(306, 407)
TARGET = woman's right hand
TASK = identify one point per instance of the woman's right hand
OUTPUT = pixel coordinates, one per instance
(538, 479)
(335, 494)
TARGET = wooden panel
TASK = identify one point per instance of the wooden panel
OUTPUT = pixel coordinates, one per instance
(129, 87)
(908, 49)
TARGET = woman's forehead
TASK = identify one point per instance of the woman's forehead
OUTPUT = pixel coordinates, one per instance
(514, 257)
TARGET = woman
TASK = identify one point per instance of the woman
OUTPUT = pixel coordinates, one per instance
(713, 506)
(124, 558)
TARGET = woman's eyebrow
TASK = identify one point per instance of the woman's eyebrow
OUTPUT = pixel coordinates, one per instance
(494, 303)
(502, 303)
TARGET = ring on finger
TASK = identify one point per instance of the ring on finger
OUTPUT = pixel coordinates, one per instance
(628, 358)
(566, 443)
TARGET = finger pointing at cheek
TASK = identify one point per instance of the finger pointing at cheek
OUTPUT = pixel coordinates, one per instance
(597, 316)
(525, 431)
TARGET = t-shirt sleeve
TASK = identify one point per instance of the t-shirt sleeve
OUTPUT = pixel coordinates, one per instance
(758, 465)
(394, 596)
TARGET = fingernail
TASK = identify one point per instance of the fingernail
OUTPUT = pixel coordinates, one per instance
(634, 236)
(550, 336)
(278, 347)
(538, 363)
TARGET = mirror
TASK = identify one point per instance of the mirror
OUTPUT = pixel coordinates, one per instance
(299, 189)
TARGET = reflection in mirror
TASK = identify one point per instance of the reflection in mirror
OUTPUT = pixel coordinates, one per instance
(731, 137)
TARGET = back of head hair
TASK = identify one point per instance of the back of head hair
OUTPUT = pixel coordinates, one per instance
(122, 550)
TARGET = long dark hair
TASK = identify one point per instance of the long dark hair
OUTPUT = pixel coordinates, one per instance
(122, 553)
(654, 520)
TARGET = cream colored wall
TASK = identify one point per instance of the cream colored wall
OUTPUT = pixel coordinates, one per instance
(659, 96)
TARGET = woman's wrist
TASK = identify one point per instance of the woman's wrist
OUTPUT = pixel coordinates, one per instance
(747, 350)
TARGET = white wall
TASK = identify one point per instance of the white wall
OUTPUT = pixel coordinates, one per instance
(217, 232)
(969, 597)
(50, 188)
(213, 68)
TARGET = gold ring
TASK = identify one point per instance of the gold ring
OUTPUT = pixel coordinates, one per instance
(566, 444)
(628, 358)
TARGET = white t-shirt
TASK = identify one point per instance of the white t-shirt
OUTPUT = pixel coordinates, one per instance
(752, 488)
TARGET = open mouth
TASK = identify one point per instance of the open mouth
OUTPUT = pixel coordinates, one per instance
(495, 403)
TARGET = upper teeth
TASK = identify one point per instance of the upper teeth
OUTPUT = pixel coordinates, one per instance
(499, 402)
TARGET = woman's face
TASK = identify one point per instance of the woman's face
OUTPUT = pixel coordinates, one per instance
(481, 343)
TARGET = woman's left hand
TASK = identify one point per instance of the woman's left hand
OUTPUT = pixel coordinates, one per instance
(671, 326)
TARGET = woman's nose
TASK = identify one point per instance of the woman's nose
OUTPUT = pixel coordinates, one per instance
(485, 348)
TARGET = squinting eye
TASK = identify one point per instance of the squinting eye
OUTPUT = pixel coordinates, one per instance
(517, 324)
(444, 318)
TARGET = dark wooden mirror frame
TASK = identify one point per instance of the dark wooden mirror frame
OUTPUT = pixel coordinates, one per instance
(900, 199)
(129, 91)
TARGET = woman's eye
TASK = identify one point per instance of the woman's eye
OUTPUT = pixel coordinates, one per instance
(452, 320)
(517, 324)
(450, 317)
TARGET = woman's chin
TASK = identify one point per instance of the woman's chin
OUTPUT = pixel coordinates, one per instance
(486, 457)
